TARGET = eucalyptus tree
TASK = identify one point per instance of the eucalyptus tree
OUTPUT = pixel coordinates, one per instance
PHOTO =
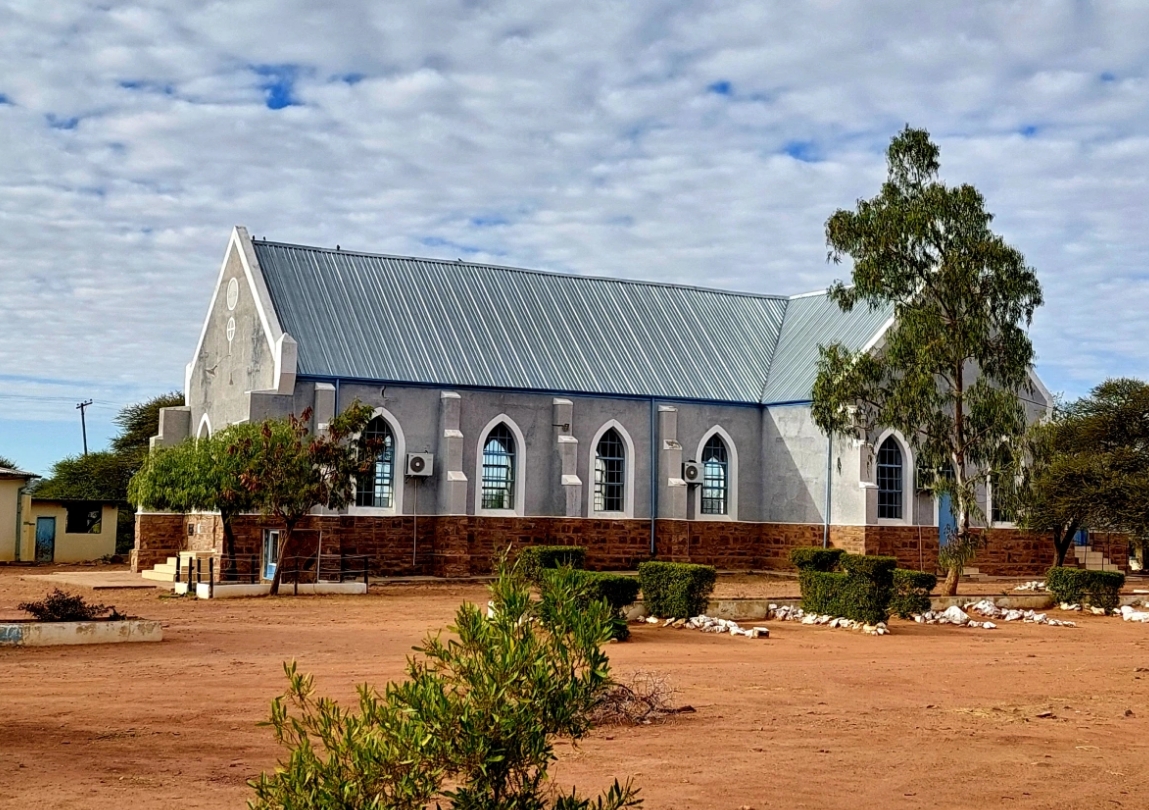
(952, 366)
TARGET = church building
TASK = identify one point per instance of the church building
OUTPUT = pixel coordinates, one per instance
(638, 419)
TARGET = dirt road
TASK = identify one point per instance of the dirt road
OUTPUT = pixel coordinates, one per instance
(928, 717)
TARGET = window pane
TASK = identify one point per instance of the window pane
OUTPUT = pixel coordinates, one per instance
(715, 478)
(376, 487)
(499, 469)
(609, 473)
(890, 480)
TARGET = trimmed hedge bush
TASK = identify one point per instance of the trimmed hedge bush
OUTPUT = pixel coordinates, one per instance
(675, 590)
(911, 592)
(862, 591)
(1076, 586)
(617, 590)
(533, 560)
(812, 558)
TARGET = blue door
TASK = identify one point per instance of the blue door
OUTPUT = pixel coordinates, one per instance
(1082, 537)
(270, 552)
(45, 539)
(947, 521)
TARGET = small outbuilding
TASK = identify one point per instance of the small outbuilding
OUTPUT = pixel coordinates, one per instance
(65, 530)
(14, 503)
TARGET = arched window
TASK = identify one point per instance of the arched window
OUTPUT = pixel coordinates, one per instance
(610, 473)
(715, 477)
(890, 480)
(499, 469)
(377, 486)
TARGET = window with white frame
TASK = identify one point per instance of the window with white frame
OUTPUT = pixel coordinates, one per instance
(715, 477)
(498, 485)
(376, 487)
(890, 480)
(610, 473)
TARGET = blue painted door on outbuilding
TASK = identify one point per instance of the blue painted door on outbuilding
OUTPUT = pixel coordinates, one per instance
(45, 539)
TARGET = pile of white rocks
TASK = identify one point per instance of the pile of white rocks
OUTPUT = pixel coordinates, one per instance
(1036, 585)
(1130, 615)
(712, 624)
(986, 608)
(787, 613)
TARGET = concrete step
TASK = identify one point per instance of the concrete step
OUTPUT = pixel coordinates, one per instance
(158, 576)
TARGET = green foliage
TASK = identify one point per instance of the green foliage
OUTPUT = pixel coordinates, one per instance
(861, 591)
(675, 590)
(619, 591)
(106, 475)
(1076, 586)
(1088, 466)
(473, 724)
(9, 463)
(59, 606)
(287, 471)
(533, 560)
(952, 365)
(813, 558)
(911, 592)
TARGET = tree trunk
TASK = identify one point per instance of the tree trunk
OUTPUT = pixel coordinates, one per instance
(227, 564)
(284, 544)
(950, 588)
(1062, 541)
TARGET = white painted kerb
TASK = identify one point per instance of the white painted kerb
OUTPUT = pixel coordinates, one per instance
(51, 634)
(239, 590)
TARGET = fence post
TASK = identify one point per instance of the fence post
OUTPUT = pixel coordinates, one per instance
(254, 570)
(190, 575)
(211, 577)
(366, 574)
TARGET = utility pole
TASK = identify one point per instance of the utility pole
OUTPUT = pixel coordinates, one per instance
(83, 423)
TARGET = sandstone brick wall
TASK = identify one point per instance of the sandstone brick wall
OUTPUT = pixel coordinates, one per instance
(458, 546)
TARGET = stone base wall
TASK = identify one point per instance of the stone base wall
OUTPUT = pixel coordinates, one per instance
(459, 546)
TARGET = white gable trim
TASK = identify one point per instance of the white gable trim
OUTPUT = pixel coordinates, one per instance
(282, 345)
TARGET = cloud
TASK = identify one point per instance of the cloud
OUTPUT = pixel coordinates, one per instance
(700, 143)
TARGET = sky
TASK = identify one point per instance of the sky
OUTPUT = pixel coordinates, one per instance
(703, 143)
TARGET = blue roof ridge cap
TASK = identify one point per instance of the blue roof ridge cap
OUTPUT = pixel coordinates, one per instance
(527, 270)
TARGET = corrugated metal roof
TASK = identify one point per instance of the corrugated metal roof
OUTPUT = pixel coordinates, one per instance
(405, 319)
(813, 321)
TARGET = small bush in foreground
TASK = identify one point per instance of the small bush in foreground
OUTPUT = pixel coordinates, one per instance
(812, 558)
(473, 725)
(58, 606)
(861, 591)
(1076, 586)
(676, 590)
(617, 590)
(911, 592)
(533, 560)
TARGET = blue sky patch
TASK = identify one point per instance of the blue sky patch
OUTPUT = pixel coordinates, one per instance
(351, 78)
(56, 122)
(1029, 130)
(492, 221)
(4, 99)
(278, 85)
(721, 88)
(801, 150)
(440, 242)
(1108, 77)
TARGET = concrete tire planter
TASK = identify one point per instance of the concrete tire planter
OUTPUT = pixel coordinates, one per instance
(53, 634)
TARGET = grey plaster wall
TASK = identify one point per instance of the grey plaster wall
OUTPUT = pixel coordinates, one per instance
(225, 370)
(794, 476)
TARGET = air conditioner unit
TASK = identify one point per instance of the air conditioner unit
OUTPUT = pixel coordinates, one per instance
(692, 472)
(420, 465)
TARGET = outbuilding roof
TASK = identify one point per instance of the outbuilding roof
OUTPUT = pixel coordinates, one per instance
(8, 472)
(405, 319)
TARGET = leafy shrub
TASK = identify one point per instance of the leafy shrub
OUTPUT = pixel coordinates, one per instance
(533, 560)
(1097, 588)
(63, 607)
(676, 590)
(473, 725)
(911, 592)
(617, 590)
(813, 558)
(862, 591)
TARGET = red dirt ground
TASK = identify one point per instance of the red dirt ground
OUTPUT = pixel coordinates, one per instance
(928, 717)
